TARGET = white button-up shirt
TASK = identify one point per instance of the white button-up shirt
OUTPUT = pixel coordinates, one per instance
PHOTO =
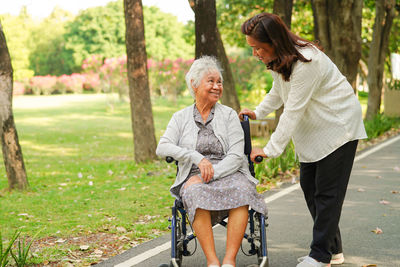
(321, 110)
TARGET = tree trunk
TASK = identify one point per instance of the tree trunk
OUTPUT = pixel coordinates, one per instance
(209, 42)
(139, 92)
(12, 153)
(337, 25)
(283, 8)
(385, 12)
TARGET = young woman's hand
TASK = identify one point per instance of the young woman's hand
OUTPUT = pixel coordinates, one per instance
(257, 151)
(206, 170)
(247, 112)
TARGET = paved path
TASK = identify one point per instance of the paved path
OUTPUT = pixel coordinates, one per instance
(375, 178)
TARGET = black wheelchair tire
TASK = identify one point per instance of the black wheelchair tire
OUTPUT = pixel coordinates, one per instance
(179, 249)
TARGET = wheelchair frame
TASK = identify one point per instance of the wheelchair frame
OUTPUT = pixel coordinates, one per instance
(257, 237)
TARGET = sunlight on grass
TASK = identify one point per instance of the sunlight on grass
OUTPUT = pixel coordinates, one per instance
(49, 150)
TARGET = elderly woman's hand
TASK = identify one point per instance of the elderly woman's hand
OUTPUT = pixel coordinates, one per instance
(247, 112)
(206, 170)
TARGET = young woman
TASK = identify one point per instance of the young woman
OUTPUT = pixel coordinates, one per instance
(321, 115)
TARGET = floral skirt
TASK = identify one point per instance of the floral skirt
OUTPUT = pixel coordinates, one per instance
(221, 195)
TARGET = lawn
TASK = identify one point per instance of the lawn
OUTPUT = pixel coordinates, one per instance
(85, 188)
(78, 153)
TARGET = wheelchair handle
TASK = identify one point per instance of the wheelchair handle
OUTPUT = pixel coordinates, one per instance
(169, 159)
(258, 159)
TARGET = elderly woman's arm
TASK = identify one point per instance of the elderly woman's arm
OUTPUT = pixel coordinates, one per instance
(168, 145)
(235, 154)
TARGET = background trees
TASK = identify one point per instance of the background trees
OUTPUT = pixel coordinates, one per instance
(209, 42)
(337, 25)
(385, 12)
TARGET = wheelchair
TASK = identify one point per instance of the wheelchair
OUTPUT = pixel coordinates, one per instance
(256, 237)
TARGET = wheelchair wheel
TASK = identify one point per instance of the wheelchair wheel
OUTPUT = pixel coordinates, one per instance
(179, 242)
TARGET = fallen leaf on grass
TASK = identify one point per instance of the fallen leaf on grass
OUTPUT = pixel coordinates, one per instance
(397, 169)
(377, 231)
(84, 247)
(121, 229)
(360, 190)
(394, 192)
(370, 265)
(122, 189)
(60, 240)
(384, 202)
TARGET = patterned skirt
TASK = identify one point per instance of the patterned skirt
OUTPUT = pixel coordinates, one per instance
(221, 195)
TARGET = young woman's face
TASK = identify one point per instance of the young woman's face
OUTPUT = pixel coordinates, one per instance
(263, 51)
(210, 88)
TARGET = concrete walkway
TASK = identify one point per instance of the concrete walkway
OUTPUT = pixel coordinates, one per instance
(372, 201)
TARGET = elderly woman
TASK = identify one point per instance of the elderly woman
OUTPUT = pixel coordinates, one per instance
(213, 178)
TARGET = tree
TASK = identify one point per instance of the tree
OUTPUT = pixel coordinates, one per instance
(139, 91)
(209, 42)
(385, 12)
(12, 152)
(337, 25)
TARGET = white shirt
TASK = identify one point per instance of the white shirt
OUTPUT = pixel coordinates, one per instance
(321, 110)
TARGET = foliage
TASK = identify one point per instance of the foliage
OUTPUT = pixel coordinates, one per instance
(252, 80)
(96, 30)
(17, 32)
(380, 124)
(4, 254)
(22, 254)
(48, 55)
(231, 15)
(164, 36)
(101, 31)
(271, 167)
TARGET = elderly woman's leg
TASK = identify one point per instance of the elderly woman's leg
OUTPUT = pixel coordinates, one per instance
(237, 223)
(203, 229)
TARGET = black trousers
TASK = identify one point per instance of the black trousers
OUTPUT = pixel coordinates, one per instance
(324, 184)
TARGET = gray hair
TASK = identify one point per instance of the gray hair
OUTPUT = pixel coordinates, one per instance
(199, 68)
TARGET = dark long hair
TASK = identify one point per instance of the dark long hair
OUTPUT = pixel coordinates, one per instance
(269, 28)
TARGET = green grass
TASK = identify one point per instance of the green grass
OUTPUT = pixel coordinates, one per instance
(78, 153)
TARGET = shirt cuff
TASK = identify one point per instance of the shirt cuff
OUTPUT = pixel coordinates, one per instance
(197, 157)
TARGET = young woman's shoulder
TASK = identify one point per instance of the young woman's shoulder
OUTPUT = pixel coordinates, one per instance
(310, 51)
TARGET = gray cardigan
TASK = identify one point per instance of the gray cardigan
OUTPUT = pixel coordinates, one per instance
(180, 139)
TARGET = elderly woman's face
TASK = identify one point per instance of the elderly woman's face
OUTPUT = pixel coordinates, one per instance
(210, 88)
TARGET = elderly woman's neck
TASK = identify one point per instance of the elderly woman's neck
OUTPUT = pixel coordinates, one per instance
(204, 109)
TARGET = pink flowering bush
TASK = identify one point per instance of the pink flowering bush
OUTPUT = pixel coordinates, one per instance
(42, 84)
(166, 78)
(18, 88)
